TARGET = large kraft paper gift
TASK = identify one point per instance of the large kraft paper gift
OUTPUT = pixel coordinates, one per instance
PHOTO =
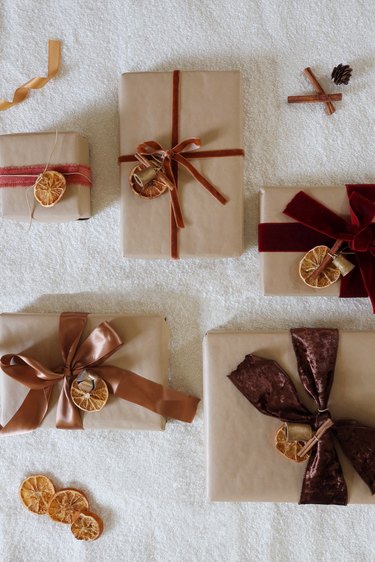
(24, 156)
(285, 237)
(143, 350)
(243, 463)
(205, 110)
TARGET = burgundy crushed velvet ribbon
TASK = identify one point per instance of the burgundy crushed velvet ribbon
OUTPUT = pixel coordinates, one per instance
(268, 387)
(78, 356)
(180, 154)
(316, 224)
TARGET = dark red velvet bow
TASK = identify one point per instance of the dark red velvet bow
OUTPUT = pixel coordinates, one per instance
(359, 232)
(268, 387)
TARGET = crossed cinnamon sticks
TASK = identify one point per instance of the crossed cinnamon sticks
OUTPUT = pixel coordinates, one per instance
(320, 96)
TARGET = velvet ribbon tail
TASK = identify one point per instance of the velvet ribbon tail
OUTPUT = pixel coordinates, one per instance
(358, 443)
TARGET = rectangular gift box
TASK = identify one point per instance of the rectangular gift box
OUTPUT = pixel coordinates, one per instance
(209, 108)
(145, 352)
(242, 461)
(26, 150)
(280, 270)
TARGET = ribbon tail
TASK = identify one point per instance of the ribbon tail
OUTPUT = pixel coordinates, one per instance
(67, 414)
(200, 178)
(149, 394)
(175, 201)
(358, 443)
(366, 263)
(30, 414)
(324, 481)
(54, 55)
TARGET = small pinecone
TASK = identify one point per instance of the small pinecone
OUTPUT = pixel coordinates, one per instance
(341, 74)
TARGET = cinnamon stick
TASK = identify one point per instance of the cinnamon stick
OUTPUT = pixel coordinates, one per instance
(327, 260)
(330, 108)
(314, 98)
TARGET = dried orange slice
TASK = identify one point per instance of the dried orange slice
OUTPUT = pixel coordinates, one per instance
(310, 262)
(90, 395)
(66, 505)
(87, 527)
(150, 190)
(289, 449)
(36, 492)
(49, 188)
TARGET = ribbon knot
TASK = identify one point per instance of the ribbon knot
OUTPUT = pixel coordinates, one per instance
(269, 388)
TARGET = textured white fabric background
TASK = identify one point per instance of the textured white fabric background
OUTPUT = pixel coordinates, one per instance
(150, 489)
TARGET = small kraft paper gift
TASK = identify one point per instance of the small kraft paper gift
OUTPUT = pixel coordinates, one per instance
(76, 370)
(318, 241)
(290, 416)
(45, 177)
(181, 161)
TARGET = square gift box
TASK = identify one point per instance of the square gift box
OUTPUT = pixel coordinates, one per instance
(145, 352)
(283, 241)
(206, 105)
(242, 461)
(24, 156)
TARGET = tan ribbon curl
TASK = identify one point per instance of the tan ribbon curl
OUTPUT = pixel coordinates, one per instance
(21, 93)
(90, 354)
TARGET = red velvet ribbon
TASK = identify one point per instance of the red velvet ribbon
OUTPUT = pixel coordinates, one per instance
(78, 356)
(270, 389)
(177, 155)
(316, 224)
(25, 176)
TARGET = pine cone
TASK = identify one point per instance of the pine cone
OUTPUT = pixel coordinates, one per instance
(341, 74)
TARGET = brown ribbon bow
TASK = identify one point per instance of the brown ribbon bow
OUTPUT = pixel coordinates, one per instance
(179, 154)
(77, 357)
(268, 387)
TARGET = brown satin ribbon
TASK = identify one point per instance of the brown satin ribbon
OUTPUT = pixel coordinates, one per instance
(21, 93)
(91, 354)
(177, 155)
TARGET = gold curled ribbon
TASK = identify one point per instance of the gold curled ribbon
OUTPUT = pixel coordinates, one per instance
(21, 93)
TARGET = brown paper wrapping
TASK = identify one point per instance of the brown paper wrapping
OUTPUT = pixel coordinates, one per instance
(145, 352)
(29, 149)
(210, 108)
(242, 462)
(280, 270)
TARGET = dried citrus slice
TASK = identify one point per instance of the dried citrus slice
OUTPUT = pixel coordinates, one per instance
(87, 396)
(36, 492)
(87, 527)
(310, 262)
(66, 505)
(289, 449)
(151, 189)
(49, 188)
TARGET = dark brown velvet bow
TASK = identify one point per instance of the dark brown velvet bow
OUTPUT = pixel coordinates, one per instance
(268, 387)
(77, 357)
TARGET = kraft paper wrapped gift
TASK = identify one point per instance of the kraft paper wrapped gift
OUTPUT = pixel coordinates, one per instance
(280, 269)
(144, 352)
(23, 152)
(242, 461)
(210, 107)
